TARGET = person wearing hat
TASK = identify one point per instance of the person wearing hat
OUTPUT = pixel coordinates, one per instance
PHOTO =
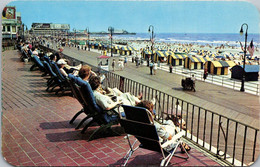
(62, 64)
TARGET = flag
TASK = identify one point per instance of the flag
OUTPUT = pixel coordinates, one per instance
(251, 48)
(241, 46)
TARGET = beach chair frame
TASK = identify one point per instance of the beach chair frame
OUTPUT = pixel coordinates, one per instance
(138, 122)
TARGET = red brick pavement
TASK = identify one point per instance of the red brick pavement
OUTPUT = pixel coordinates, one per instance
(36, 132)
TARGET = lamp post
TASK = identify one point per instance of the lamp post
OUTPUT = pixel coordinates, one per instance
(150, 29)
(75, 35)
(87, 31)
(23, 30)
(242, 89)
(26, 30)
(111, 30)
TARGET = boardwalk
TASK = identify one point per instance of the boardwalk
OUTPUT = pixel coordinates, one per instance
(36, 132)
(240, 106)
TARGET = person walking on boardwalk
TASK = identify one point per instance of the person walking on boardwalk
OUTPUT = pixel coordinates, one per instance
(125, 61)
(154, 68)
(113, 64)
(205, 75)
(151, 67)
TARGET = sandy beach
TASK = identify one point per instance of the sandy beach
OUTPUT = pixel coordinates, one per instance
(235, 53)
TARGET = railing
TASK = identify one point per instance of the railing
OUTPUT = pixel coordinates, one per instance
(220, 80)
(230, 140)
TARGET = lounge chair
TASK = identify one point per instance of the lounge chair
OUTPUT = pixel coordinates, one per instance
(75, 82)
(104, 118)
(63, 83)
(37, 63)
(139, 123)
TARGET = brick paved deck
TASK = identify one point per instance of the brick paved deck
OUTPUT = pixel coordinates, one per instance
(36, 132)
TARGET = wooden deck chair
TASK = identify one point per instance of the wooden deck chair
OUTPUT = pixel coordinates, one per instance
(37, 63)
(104, 118)
(75, 83)
(139, 123)
(64, 84)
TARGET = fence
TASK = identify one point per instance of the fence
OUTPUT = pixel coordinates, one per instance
(221, 80)
(232, 141)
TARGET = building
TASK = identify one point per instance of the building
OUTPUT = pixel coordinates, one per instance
(49, 29)
(11, 23)
(251, 72)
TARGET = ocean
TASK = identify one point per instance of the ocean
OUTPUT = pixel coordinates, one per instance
(196, 38)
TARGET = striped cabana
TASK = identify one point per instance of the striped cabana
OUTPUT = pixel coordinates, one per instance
(104, 46)
(109, 48)
(192, 62)
(116, 49)
(127, 50)
(160, 56)
(147, 54)
(176, 58)
(219, 67)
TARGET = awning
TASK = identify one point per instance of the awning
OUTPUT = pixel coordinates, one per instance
(147, 52)
(178, 56)
(199, 59)
(169, 53)
(130, 48)
(223, 63)
(117, 47)
(161, 53)
(103, 57)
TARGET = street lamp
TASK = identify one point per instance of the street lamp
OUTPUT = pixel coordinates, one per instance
(111, 30)
(243, 79)
(87, 31)
(75, 35)
(23, 30)
(26, 30)
(150, 29)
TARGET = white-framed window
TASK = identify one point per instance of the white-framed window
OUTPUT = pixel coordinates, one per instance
(13, 28)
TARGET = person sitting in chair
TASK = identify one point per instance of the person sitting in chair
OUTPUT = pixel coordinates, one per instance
(85, 73)
(117, 97)
(65, 69)
(165, 129)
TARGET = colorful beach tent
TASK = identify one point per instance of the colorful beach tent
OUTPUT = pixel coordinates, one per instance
(147, 54)
(176, 58)
(219, 67)
(127, 50)
(116, 49)
(160, 56)
(193, 62)
(251, 72)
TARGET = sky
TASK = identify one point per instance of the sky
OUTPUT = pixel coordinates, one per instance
(136, 16)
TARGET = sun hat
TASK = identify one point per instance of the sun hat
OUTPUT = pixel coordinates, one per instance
(61, 61)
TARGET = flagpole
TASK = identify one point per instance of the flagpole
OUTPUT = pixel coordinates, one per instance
(242, 89)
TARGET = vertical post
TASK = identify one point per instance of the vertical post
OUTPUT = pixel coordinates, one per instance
(111, 30)
(242, 89)
(151, 29)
